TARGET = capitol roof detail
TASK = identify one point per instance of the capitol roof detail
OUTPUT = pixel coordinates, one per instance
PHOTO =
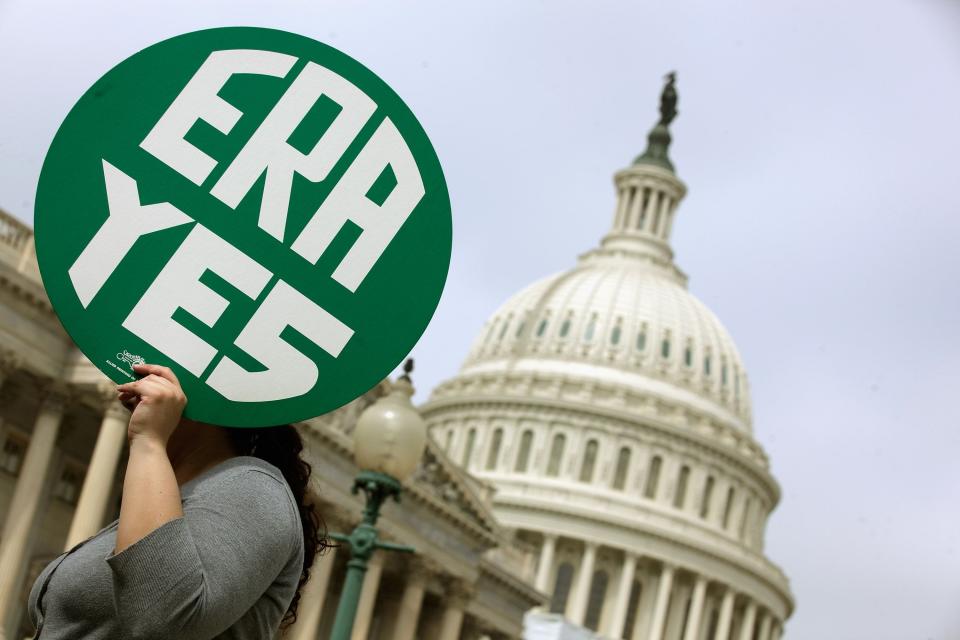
(623, 314)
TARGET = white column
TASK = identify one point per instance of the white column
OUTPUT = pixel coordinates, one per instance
(15, 546)
(652, 215)
(692, 631)
(633, 216)
(410, 604)
(457, 599)
(765, 629)
(547, 552)
(726, 617)
(581, 595)
(670, 215)
(97, 485)
(677, 610)
(641, 626)
(664, 212)
(619, 221)
(622, 603)
(313, 597)
(749, 618)
(368, 597)
(664, 587)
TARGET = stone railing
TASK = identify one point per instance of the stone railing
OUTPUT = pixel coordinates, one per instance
(16, 244)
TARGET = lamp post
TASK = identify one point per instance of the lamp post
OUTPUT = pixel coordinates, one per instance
(389, 439)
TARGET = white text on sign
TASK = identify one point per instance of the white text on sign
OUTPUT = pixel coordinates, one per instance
(266, 154)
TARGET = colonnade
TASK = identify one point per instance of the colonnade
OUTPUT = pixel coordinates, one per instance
(35, 477)
(31, 493)
(645, 207)
(651, 599)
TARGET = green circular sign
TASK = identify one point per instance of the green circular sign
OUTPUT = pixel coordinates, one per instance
(252, 208)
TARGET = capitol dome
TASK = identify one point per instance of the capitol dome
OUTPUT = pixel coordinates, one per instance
(625, 323)
(608, 409)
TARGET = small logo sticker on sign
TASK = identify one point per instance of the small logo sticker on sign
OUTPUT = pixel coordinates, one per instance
(130, 359)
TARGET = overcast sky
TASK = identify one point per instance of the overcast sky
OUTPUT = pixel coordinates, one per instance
(820, 143)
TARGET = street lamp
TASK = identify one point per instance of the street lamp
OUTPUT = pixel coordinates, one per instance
(388, 441)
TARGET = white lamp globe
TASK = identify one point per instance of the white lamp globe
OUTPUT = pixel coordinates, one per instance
(390, 435)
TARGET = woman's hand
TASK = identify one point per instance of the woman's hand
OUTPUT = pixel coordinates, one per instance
(156, 403)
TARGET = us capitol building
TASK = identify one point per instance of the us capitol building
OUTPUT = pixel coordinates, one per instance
(592, 471)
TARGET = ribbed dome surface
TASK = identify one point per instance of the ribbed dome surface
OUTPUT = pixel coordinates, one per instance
(614, 315)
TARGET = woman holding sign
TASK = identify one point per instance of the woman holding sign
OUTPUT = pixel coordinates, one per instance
(214, 540)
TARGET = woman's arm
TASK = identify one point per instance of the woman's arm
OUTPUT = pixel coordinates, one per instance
(151, 496)
(191, 573)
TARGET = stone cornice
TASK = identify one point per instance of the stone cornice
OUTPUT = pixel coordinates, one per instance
(24, 288)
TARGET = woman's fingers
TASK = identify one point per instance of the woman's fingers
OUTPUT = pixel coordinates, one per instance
(150, 381)
(164, 372)
(129, 400)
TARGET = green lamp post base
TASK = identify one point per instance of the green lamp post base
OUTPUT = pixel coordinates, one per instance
(363, 542)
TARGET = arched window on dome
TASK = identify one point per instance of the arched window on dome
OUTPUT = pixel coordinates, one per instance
(688, 353)
(591, 329)
(706, 362)
(520, 327)
(589, 461)
(494, 454)
(556, 454)
(561, 588)
(680, 495)
(665, 345)
(707, 496)
(523, 457)
(506, 325)
(542, 326)
(623, 466)
(468, 449)
(565, 327)
(642, 337)
(728, 507)
(653, 478)
(598, 593)
(616, 332)
(723, 371)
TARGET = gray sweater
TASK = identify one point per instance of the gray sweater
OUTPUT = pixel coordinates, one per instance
(227, 569)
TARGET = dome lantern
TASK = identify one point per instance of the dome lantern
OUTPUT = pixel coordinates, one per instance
(648, 193)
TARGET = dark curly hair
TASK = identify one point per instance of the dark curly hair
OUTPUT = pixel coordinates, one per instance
(281, 447)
